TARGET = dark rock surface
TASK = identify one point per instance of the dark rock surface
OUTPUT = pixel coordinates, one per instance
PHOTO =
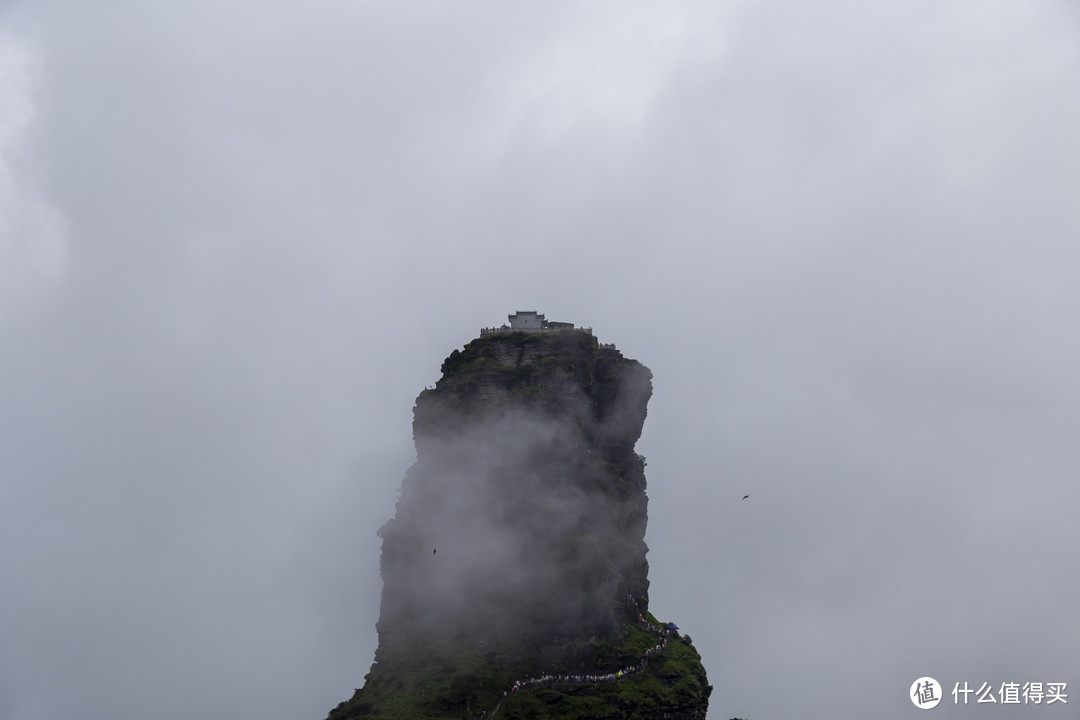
(517, 548)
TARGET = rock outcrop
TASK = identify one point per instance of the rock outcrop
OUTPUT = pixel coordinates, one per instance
(517, 551)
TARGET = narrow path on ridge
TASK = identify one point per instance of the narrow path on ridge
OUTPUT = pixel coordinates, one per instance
(580, 680)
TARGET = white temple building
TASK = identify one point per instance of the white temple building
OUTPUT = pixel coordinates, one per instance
(530, 321)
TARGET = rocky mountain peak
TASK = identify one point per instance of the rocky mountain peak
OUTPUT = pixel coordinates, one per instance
(517, 549)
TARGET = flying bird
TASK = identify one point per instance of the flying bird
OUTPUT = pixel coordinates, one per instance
(434, 550)
(746, 496)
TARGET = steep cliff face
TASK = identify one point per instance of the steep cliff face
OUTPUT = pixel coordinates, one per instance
(517, 550)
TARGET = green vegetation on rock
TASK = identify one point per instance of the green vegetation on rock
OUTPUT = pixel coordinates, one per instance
(452, 686)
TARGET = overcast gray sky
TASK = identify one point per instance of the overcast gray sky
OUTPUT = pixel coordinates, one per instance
(238, 238)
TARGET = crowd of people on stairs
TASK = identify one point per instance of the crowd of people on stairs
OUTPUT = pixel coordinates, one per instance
(548, 680)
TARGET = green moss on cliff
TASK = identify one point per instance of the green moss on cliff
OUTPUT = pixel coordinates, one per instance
(454, 685)
(522, 364)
